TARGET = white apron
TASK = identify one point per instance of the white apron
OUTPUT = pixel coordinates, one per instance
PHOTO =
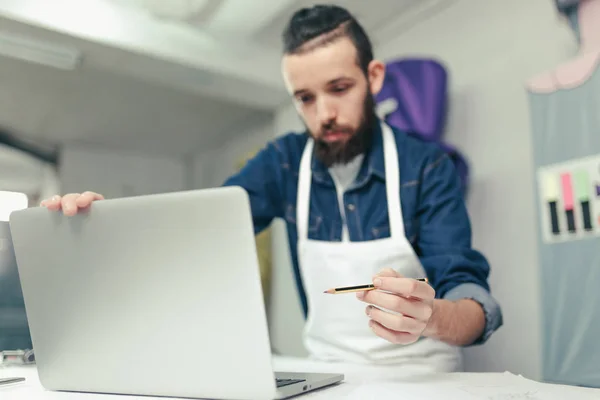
(337, 327)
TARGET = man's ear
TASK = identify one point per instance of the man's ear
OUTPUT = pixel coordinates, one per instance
(376, 74)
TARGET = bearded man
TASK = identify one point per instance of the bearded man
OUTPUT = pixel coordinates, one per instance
(364, 203)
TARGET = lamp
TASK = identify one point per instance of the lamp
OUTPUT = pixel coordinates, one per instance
(11, 201)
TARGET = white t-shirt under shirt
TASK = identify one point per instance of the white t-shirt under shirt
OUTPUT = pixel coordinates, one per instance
(343, 176)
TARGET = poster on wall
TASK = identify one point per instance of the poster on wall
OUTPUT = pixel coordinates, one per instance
(569, 195)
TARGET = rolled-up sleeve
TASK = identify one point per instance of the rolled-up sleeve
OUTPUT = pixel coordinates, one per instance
(491, 308)
(455, 269)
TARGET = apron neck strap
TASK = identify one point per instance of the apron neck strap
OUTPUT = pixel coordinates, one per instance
(392, 182)
(392, 185)
(303, 195)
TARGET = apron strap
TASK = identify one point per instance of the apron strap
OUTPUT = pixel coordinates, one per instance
(392, 184)
(303, 195)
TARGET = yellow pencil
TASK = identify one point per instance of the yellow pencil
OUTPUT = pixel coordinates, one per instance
(359, 288)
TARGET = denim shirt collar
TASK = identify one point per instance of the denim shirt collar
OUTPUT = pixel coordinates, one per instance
(372, 165)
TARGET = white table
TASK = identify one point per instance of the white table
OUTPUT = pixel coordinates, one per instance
(360, 383)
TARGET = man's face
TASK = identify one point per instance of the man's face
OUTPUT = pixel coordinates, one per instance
(334, 98)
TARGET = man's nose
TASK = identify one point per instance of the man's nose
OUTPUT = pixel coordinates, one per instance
(326, 112)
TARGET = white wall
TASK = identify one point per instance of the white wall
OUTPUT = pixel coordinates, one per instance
(212, 166)
(117, 173)
(491, 48)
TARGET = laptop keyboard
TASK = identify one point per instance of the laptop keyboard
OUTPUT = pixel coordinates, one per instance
(285, 382)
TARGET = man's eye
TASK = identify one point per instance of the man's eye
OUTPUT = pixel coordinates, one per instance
(305, 99)
(339, 89)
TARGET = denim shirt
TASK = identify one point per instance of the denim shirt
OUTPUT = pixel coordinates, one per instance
(435, 217)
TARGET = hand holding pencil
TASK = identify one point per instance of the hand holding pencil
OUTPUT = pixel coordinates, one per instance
(412, 299)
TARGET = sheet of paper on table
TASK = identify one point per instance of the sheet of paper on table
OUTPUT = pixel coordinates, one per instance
(382, 383)
(473, 387)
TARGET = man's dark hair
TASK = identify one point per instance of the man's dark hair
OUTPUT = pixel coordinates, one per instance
(328, 23)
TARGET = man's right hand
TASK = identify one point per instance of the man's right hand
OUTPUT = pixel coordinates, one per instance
(71, 203)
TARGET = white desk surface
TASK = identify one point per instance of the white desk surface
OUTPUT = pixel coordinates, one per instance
(360, 383)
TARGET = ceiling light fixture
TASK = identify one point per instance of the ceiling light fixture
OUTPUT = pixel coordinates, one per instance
(40, 52)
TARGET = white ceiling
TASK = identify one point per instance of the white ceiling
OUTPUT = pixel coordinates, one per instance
(161, 76)
(122, 99)
(173, 9)
(96, 106)
(233, 68)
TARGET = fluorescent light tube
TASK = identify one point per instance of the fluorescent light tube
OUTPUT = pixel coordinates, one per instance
(39, 52)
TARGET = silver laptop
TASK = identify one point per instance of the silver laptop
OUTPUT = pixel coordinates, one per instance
(155, 295)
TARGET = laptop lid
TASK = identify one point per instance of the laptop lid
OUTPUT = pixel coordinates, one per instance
(152, 295)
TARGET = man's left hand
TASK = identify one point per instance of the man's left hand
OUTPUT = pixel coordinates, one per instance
(413, 301)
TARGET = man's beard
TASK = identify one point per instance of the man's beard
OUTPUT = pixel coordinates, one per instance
(345, 151)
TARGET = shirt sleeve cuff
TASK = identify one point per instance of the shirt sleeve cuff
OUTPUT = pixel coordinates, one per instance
(491, 308)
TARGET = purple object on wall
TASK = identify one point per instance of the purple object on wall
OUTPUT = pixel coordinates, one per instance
(414, 98)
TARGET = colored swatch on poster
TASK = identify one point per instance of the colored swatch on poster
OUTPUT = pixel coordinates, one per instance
(551, 193)
(568, 201)
(582, 191)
